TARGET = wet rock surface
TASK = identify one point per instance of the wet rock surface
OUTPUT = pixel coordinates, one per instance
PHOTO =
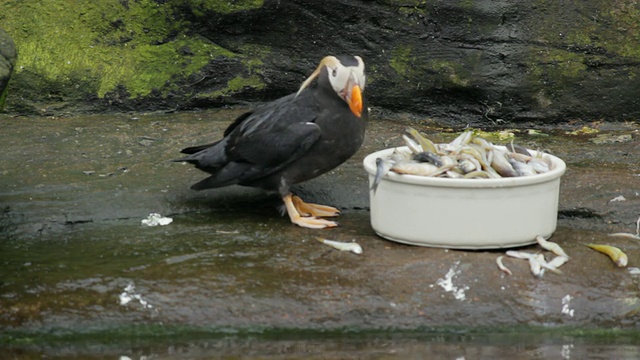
(75, 257)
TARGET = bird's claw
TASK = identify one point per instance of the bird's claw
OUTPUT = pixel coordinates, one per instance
(315, 210)
(313, 222)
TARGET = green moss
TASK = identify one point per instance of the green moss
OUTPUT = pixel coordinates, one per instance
(445, 73)
(236, 84)
(401, 60)
(134, 44)
(466, 4)
(371, 71)
(253, 55)
(613, 27)
(626, 29)
(607, 34)
(610, 34)
(452, 71)
(202, 7)
(240, 82)
(410, 7)
(558, 64)
(412, 3)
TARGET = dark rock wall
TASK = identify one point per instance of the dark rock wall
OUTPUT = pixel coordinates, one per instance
(457, 62)
(8, 57)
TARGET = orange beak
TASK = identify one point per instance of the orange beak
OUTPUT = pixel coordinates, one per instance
(355, 101)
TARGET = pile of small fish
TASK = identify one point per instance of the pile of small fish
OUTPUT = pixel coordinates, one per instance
(466, 157)
(537, 262)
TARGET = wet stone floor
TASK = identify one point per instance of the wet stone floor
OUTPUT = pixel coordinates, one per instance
(81, 277)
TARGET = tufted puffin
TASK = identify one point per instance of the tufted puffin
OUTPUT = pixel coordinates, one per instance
(292, 139)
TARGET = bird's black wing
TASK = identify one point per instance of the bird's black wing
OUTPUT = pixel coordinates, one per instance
(259, 143)
(276, 134)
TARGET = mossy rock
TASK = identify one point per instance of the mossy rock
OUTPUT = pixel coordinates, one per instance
(468, 62)
(99, 49)
(8, 58)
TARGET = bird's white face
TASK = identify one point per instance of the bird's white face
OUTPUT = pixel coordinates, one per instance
(348, 82)
(342, 77)
(346, 77)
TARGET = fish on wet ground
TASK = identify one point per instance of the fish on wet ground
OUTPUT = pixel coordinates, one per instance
(616, 255)
(551, 246)
(501, 265)
(354, 247)
(629, 235)
(537, 262)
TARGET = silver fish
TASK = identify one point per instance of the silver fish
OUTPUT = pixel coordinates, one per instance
(477, 155)
(467, 166)
(384, 165)
(501, 265)
(629, 235)
(342, 246)
(382, 168)
(428, 156)
(558, 261)
(501, 164)
(517, 149)
(416, 168)
(412, 144)
(519, 254)
(545, 265)
(522, 169)
(478, 174)
(453, 174)
(537, 262)
(551, 246)
(425, 144)
(519, 157)
(468, 163)
(539, 166)
(536, 265)
(462, 139)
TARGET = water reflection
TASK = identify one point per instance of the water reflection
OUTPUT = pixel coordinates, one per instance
(432, 346)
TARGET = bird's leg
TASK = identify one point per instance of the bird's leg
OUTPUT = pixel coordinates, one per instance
(308, 222)
(309, 209)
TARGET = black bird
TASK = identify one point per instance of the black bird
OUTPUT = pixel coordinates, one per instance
(292, 139)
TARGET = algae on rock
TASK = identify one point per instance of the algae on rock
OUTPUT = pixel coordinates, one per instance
(95, 48)
(464, 62)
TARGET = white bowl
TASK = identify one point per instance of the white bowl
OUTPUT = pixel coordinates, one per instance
(464, 213)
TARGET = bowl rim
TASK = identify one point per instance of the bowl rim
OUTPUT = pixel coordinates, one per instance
(559, 168)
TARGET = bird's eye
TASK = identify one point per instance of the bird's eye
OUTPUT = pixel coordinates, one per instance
(334, 73)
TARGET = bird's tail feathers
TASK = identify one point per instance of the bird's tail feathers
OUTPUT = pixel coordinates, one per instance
(213, 182)
(211, 156)
(187, 160)
(198, 148)
(230, 174)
